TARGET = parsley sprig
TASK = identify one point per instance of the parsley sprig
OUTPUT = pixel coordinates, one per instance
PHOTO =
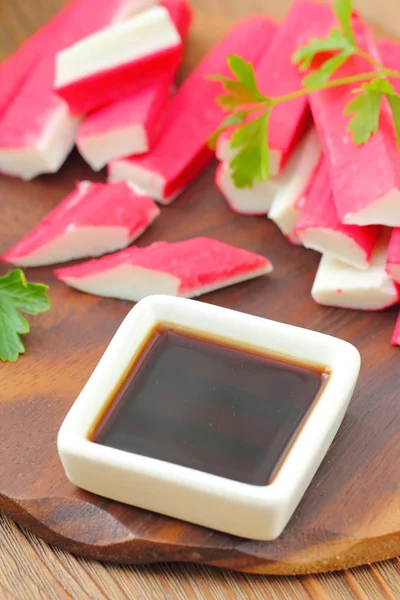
(16, 295)
(249, 110)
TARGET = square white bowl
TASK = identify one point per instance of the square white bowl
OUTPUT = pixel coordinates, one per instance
(251, 511)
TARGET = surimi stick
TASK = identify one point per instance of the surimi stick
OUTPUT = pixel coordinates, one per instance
(94, 219)
(390, 54)
(121, 60)
(319, 228)
(396, 333)
(188, 269)
(37, 131)
(245, 201)
(293, 185)
(130, 125)
(339, 284)
(77, 19)
(393, 260)
(365, 178)
(277, 76)
(181, 150)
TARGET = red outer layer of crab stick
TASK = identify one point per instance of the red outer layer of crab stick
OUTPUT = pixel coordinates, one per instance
(319, 227)
(37, 131)
(277, 76)
(94, 219)
(339, 284)
(365, 178)
(294, 182)
(188, 269)
(390, 54)
(181, 150)
(396, 333)
(107, 66)
(393, 259)
(76, 20)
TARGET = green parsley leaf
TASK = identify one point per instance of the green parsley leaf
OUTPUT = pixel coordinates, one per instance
(334, 42)
(251, 163)
(236, 118)
(343, 10)
(16, 294)
(244, 71)
(320, 78)
(394, 102)
(380, 85)
(365, 110)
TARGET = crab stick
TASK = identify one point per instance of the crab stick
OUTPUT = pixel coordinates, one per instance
(365, 178)
(393, 260)
(188, 269)
(390, 54)
(181, 150)
(396, 333)
(77, 19)
(94, 219)
(121, 60)
(277, 76)
(293, 183)
(37, 131)
(130, 125)
(339, 284)
(319, 228)
(245, 201)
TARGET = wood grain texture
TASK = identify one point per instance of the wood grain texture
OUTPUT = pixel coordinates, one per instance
(350, 514)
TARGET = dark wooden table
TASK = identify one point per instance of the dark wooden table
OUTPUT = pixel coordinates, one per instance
(29, 569)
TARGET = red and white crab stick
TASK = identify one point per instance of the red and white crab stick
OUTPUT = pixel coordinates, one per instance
(37, 131)
(319, 228)
(188, 269)
(277, 76)
(365, 178)
(396, 333)
(131, 124)
(294, 182)
(393, 260)
(107, 65)
(94, 219)
(339, 284)
(181, 150)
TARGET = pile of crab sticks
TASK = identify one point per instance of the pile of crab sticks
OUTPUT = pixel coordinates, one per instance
(105, 81)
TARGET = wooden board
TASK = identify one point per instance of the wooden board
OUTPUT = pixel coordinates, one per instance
(351, 513)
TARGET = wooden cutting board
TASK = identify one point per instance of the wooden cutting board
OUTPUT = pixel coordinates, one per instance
(351, 513)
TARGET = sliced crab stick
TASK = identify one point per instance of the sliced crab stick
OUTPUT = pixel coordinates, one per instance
(130, 125)
(181, 150)
(365, 178)
(188, 269)
(293, 183)
(393, 260)
(76, 20)
(95, 219)
(277, 76)
(339, 284)
(37, 131)
(319, 228)
(390, 54)
(120, 60)
(396, 333)
(245, 201)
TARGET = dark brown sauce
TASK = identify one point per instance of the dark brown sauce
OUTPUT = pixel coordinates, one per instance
(206, 404)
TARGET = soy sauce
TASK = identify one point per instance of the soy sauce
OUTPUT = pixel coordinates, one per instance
(205, 404)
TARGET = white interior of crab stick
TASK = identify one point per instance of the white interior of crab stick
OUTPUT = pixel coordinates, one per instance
(365, 178)
(293, 183)
(319, 227)
(246, 201)
(188, 269)
(344, 286)
(107, 65)
(181, 152)
(277, 76)
(94, 219)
